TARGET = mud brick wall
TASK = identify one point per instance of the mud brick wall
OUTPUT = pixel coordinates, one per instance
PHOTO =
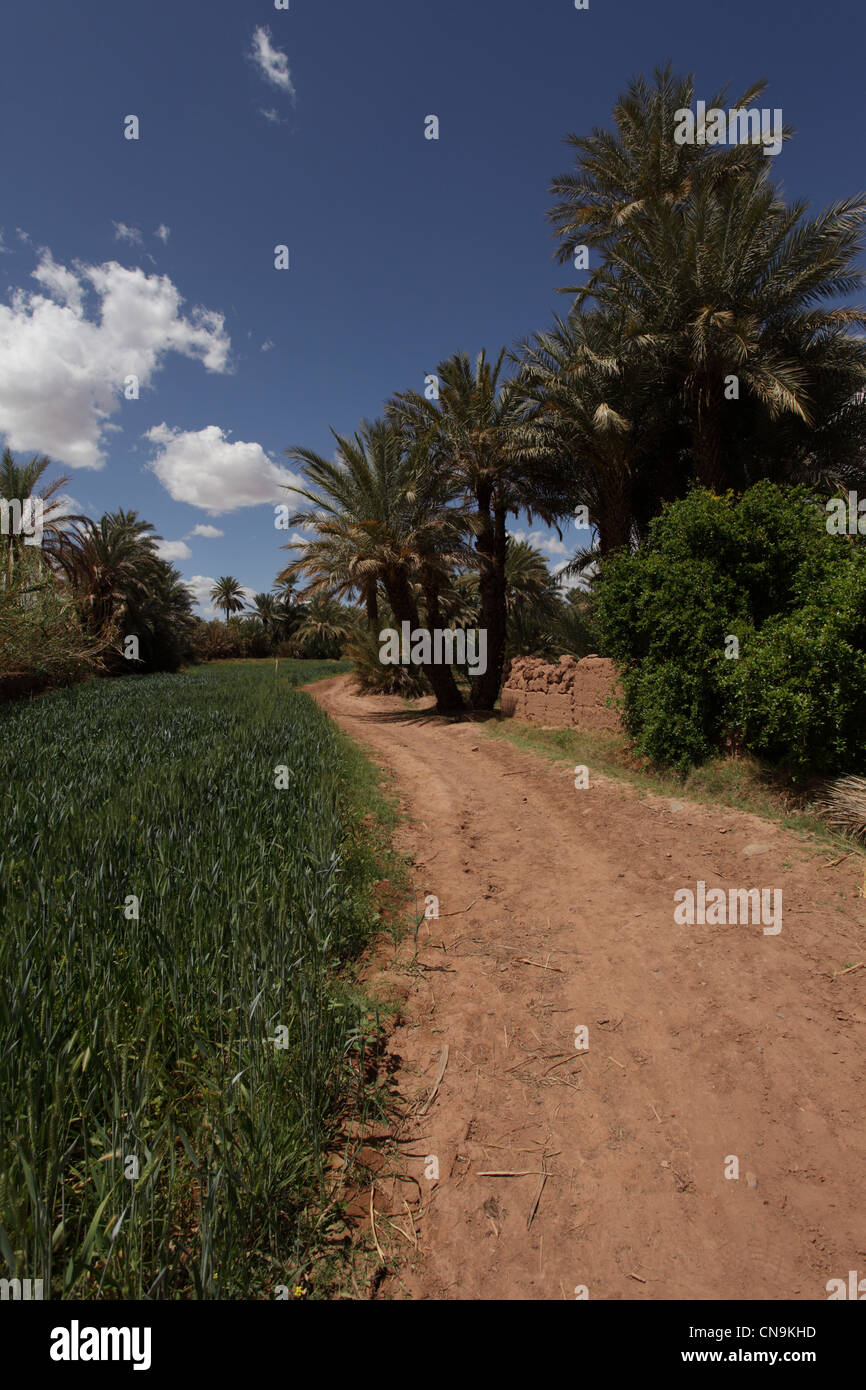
(569, 694)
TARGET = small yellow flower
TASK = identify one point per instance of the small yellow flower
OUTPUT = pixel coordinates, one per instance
(299, 1291)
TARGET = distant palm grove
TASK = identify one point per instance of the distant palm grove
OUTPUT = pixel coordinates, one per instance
(696, 406)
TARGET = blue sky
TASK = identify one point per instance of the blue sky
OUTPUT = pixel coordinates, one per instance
(305, 127)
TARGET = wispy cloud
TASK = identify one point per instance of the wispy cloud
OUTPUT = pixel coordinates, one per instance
(271, 62)
(124, 233)
(163, 232)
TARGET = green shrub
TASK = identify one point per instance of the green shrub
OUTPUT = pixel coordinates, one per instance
(763, 568)
(41, 642)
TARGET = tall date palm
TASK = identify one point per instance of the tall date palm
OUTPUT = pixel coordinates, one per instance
(379, 516)
(228, 595)
(467, 432)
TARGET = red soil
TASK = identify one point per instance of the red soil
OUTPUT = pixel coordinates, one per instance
(704, 1041)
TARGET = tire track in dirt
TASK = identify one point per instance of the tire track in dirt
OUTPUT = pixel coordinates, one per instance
(704, 1041)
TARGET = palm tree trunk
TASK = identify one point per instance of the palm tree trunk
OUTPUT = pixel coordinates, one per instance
(371, 600)
(614, 517)
(405, 609)
(491, 544)
(707, 434)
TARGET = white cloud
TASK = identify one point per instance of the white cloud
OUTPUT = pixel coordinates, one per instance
(4, 249)
(163, 232)
(272, 63)
(549, 545)
(552, 546)
(124, 233)
(211, 532)
(267, 345)
(62, 373)
(200, 586)
(205, 469)
(173, 550)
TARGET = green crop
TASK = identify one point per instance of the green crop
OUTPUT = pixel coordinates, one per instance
(148, 1044)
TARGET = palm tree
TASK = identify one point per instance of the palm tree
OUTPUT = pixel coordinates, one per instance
(571, 630)
(468, 436)
(529, 583)
(734, 290)
(326, 625)
(165, 618)
(228, 595)
(18, 482)
(533, 601)
(621, 180)
(379, 518)
(588, 425)
(712, 275)
(110, 565)
(122, 587)
(284, 593)
(268, 612)
(459, 600)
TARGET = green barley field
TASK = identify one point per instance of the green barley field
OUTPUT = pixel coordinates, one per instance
(180, 1035)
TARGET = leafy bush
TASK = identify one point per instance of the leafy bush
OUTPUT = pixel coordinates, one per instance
(763, 568)
(41, 642)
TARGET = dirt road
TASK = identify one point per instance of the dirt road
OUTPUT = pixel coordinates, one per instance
(706, 1044)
